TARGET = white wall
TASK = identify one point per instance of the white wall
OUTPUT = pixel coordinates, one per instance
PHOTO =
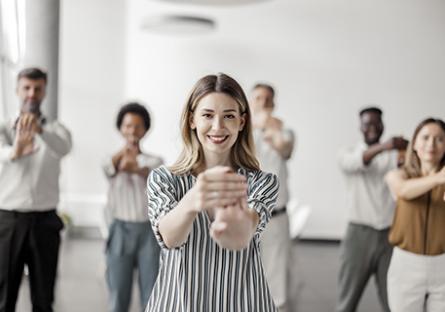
(92, 39)
(326, 58)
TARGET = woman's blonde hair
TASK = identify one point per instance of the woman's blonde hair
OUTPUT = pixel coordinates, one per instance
(412, 162)
(242, 153)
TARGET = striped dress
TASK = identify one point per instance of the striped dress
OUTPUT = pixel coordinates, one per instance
(200, 276)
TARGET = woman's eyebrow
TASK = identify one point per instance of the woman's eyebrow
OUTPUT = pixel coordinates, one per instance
(224, 111)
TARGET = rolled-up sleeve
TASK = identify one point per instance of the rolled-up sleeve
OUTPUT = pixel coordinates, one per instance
(108, 167)
(262, 196)
(5, 146)
(57, 138)
(351, 160)
(161, 199)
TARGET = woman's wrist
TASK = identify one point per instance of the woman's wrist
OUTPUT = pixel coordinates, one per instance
(192, 206)
(439, 178)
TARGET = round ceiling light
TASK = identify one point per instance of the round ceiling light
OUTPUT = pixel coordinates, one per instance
(178, 24)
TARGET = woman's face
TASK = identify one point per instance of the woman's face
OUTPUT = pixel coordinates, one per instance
(430, 144)
(217, 120)
(132, 128)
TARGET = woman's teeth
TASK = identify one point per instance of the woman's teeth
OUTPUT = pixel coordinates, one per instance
(217, 139)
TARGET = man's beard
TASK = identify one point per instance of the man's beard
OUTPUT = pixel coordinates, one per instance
(31, 106)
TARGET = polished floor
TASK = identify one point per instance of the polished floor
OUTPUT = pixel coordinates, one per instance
(81, 286)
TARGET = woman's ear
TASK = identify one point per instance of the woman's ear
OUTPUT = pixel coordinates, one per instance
(192, 122)
(243, 122)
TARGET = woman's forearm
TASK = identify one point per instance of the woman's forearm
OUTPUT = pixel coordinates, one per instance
(237, 232)
(177, 224)
(415, 187)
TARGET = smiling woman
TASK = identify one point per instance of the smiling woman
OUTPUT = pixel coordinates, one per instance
(208, 210)
(217, 121)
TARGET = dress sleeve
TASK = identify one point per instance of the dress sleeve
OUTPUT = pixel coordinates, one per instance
(162, 198)
(262, 196)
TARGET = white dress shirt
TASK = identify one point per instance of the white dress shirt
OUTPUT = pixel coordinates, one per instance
(271, 161)
(31, 183)
(127, 198)
(369, 200)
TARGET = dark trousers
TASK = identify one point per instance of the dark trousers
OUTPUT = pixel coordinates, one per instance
(30, 238)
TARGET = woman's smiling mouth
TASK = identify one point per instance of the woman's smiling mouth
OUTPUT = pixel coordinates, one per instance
(217, 139)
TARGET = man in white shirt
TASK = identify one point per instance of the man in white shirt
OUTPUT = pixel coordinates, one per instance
(365, 249)
(274, 145)
(31, 149)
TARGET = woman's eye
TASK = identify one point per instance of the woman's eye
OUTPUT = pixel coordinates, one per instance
(229, 116)
(207, 116)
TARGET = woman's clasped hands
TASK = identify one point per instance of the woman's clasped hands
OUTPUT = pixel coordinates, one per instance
(222, 194)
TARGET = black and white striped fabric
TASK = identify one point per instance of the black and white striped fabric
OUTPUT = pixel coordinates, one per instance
(200, 276)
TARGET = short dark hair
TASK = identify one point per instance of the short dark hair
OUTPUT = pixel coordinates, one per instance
(134, 108)
(32, 73)
(265, 86)
(371, 109)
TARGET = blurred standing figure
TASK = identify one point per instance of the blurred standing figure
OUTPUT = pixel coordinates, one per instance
(131, 243)
(31, 149)
(274, 145)
(365, 249)
(416, 276)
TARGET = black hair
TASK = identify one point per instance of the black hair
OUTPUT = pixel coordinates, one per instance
(134, 108)
(32, 73)
(371, 109)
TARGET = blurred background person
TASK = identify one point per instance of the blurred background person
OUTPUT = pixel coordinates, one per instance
(416, 276)
(31, 149)
(131, 244)
(274, 144)
(365, 250)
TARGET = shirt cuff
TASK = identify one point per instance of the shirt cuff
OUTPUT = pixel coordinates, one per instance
(109, 168)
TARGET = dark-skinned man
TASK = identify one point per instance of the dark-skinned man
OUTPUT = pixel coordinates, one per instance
(365, 250)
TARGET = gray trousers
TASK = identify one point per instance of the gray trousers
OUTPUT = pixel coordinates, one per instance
(275, 253)
(364, 252)
(131, 246)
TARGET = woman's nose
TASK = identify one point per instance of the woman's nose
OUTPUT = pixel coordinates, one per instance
(431, 143)
(217, 123)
